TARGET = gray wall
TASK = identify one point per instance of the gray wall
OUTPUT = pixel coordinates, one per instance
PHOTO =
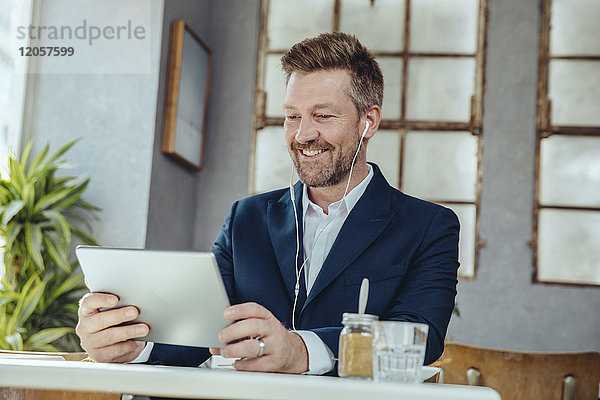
(173, 200)
(187, 208)
(502, 308)
(235, 27)
(114, 115)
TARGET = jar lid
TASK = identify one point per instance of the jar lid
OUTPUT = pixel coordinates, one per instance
(358, 318)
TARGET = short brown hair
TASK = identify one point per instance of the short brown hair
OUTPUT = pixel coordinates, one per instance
(338, 50)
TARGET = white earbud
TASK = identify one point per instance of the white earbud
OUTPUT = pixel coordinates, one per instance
(366, 129)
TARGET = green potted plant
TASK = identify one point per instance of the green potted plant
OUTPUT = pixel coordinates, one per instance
(40, 287)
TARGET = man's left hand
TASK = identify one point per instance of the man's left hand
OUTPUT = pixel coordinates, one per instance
(284, 351)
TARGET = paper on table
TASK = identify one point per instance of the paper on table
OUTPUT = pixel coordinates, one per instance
(428, 372)
(26, 356)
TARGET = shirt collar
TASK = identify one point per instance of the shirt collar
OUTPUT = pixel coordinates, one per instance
(349, 201)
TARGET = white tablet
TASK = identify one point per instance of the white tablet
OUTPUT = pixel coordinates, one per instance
(180, 294)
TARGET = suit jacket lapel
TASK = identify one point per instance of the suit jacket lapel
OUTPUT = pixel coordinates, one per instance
(282, 230)
(366, 221)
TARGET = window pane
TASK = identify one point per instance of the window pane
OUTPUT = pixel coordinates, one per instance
(440, 165)
(384, 150)
(274, 86)
(573, 89)
(6, 78)
(5, 12)
(272, 165)
(570, 171)
(440, 89)
(292, 21)
(575, 27)
(466, 253)
(568, 248)
(392, 92)
(448, 26)
(358, 16)
(9, 108)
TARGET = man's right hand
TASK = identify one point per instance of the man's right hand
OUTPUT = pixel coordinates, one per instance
(100, 338)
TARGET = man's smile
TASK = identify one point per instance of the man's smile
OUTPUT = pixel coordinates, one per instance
(312, 152)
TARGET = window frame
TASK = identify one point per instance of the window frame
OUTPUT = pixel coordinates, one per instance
(402, 125)
(545, 129)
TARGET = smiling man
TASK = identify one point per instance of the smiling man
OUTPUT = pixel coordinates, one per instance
(323, 129)
(292, 260)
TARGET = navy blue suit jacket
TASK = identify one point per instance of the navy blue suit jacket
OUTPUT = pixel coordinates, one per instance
(408, 248)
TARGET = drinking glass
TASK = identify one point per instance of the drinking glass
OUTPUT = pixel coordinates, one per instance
(399, 351)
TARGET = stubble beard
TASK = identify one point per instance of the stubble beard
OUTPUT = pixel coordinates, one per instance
(328, 172)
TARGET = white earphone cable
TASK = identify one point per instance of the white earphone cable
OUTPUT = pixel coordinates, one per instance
(292, 196)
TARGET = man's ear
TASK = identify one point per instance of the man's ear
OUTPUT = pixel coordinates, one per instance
(373, 115)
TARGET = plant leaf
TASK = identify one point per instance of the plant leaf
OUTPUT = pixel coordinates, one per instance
(58, 254)
(64, 165)
(75, 194)
(9, 268)
(4, 195)
(87, 206)
(61, 225)
(6, 285)
(3, 326)
(38, 160)
(72, 308)
(12, 210)
(51, 199)
(28, 197)
(46, 336)
(63, 150)
(14, 229)
(73, 283)
(5, 300)
(73, 217)
(33, 241)
(30, 302)
(7, 297)
(17, 174)
(59, 182)
(44, 347)
(25, 154)
(85, 238)
(15, 341)
(12, 324)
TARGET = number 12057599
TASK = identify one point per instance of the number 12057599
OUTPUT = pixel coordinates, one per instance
(46, 51)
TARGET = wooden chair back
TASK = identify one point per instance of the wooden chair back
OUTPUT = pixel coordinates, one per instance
(523, 375)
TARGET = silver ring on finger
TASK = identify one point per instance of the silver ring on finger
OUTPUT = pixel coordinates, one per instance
(261, 347)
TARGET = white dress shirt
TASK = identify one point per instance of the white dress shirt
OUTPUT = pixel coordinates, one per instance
(319, 234)
(321, 230)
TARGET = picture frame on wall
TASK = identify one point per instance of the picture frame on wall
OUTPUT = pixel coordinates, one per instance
(187, 97)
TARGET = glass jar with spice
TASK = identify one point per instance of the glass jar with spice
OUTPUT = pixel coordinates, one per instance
(355, 355)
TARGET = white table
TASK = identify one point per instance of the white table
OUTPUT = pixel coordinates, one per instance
(203, 383)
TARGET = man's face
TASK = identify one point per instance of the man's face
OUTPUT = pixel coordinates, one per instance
(321, 126)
